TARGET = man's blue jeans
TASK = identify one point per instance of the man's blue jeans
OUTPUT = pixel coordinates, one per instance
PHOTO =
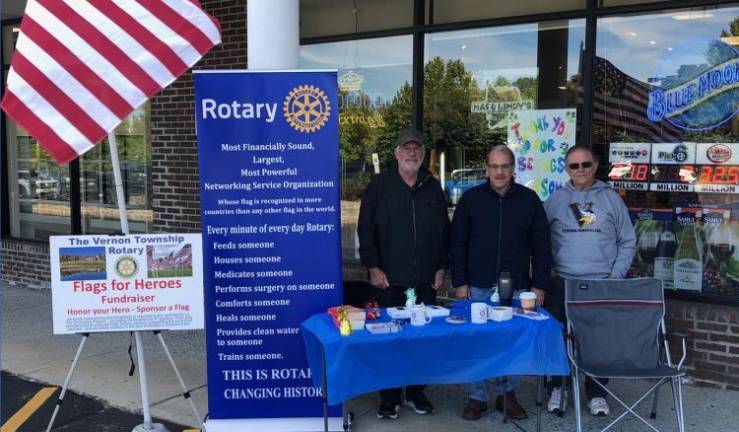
(480, 390)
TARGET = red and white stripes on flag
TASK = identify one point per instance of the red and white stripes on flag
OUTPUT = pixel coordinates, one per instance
(81, 66)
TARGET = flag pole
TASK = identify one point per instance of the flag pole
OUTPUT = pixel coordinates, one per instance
(120, 198)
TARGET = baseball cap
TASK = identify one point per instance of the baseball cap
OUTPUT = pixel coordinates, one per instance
(409, 135)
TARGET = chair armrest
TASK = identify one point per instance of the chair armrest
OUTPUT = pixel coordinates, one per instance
(571, 342)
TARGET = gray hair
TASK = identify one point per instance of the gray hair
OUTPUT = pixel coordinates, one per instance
(580, 147)
(501, 148)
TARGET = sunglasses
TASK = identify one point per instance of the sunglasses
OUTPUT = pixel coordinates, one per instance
(575, 166)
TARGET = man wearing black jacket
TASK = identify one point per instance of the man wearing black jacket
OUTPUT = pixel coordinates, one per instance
(402, 229)
(499, 226)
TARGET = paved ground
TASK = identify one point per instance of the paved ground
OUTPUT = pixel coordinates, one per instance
(31, 351)
(27, 406)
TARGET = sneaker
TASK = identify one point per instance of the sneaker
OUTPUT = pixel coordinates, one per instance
(420, 404)
(599, 407)
(388, 411)
(554, 401)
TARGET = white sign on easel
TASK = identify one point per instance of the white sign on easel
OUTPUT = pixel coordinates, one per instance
(104, 283)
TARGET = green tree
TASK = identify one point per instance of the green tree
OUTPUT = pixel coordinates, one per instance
(397, 117)
(449, 90)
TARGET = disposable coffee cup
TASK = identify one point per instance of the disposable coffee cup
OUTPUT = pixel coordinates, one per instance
(479, 313)
(528, 300)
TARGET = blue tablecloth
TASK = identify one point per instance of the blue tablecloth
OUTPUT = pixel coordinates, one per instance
(438, 353)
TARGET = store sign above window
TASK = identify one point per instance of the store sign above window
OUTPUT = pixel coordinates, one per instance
(699, 85)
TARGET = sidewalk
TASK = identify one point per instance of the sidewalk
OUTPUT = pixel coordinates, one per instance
(29, 349)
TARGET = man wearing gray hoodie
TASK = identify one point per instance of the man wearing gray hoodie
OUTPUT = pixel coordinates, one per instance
(592, 238)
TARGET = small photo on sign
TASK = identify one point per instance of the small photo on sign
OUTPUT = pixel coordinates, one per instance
(82, 263)
(169, 260)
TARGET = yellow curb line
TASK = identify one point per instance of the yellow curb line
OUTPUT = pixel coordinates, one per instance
(27, 410)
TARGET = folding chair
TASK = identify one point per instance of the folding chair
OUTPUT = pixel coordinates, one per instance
(614, 330)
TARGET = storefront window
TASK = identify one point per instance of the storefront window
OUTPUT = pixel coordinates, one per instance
(99, 205)
(332, 17)
(665, 103)
(479, 83)
(375, 102)
(447, 11)
(38, 187)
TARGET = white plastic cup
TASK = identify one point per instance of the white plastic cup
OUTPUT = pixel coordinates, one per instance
(528, 300)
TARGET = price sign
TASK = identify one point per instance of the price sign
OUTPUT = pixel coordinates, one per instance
(629, 166)
(672, 178)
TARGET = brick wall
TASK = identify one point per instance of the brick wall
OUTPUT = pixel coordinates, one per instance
(712, 341)
(174, 154)
(25, 263)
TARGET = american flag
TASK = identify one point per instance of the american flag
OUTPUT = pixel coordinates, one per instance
(620, 103)
(80, 67)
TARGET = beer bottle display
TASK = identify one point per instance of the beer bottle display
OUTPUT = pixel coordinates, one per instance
(665, 256)
(688, 265)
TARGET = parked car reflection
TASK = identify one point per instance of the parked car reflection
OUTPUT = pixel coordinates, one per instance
(40, 186)
(463, 179)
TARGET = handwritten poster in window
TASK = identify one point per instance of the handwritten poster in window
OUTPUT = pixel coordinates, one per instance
(540, 139)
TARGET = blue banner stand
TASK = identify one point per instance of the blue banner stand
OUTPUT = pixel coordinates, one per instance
(268, 146)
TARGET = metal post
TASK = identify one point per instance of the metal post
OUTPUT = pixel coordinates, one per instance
(147, 425)
(66, 381)
(324, 391)
(142, 381)
(539, 390)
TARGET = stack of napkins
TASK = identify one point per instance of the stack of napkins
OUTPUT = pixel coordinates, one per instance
(532, 315)
(356, 316)
(383, 327)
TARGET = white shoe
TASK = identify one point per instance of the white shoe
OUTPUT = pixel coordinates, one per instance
(599, 407)
(554, 401)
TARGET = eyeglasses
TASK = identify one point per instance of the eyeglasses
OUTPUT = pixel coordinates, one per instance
(576, 166)
(504, 167)
(411, 148)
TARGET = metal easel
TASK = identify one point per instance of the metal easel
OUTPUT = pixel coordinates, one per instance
(147, 425)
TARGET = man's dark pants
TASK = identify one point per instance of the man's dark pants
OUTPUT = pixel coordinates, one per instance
(395, 296)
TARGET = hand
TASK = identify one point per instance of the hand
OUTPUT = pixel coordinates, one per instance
(378, 278)
(463, 292)
(439, 279)
(540, 296)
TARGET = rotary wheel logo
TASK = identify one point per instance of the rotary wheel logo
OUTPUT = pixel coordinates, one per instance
(306, 108)
(126, 267)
